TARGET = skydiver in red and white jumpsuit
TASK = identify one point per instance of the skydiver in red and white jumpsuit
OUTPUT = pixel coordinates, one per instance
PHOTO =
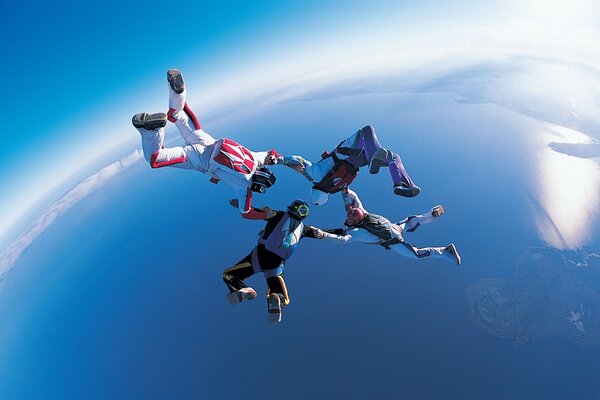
(222, 159)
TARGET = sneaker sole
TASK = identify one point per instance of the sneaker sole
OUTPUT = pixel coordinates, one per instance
(149, 122)
(274, 311)
(238, 297)
(176, 81)
(407, 192)
(249, 295)
(234, 298)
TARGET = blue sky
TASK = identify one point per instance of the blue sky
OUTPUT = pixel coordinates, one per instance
(74, 73)
(76, 67)
(78, 71)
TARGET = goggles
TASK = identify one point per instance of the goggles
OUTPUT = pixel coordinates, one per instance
(302, 210)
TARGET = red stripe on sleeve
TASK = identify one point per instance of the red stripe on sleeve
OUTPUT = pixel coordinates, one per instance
(248, 204)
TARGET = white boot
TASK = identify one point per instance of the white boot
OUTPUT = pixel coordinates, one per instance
(274, 310)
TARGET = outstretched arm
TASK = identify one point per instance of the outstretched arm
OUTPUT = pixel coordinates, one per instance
(317, 233)
(351, 200)
(297, 163)
(249, 212)
(352, 236)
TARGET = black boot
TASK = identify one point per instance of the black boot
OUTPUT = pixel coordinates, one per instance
(176, 80)
(149, 122)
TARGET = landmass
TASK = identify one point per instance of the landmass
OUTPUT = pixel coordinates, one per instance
(550, 295)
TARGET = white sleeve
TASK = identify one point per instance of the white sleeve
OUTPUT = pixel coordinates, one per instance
(351, 200)
(354, 236)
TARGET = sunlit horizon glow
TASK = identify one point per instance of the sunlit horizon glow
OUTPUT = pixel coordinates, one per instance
(568, 191)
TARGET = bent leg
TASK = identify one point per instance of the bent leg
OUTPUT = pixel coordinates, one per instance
(234, 276)
(360, 147)
(363, 148)
(277, 285)
(411, 223)
(399, 175)
(181, 114)
(157, 155)
(188, 131)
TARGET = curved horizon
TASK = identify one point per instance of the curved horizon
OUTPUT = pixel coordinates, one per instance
(289, 58)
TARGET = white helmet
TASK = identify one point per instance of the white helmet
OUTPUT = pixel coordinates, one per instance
(318, 197)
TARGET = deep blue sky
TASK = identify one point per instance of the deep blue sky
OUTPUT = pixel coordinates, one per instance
(71, 68)
(74, 72)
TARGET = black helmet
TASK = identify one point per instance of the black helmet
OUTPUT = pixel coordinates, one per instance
(262, 179)
(299, 209)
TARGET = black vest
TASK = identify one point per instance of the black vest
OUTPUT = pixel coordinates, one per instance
(382, 228)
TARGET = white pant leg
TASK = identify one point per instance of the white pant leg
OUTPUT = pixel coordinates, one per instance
(176, 100)
(410, 224)
(152, 144)
(152, 141)
(189, 133)
(408, 250)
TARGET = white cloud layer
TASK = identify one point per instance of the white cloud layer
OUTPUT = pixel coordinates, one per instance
(14, 251)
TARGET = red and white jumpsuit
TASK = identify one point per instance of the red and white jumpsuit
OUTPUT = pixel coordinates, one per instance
(222, 159)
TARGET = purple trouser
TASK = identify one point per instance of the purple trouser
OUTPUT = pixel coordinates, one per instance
(360, 148)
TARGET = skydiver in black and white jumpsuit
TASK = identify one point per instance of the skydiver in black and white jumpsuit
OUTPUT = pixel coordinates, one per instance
(365, 227)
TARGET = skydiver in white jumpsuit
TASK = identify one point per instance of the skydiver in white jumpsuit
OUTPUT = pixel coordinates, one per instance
(365, 227)
(222, 159)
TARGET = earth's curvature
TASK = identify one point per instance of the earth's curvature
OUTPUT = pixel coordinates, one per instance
(136, 307)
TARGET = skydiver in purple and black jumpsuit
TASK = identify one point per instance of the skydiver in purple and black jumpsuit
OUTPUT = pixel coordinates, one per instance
(338, 168)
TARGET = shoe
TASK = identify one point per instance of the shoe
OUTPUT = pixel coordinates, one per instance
(437, 211)
(238, 296)
(451, 249)
(149, 122)
(176, 80)
(379, 158)
(274, 308)
(406, 191)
